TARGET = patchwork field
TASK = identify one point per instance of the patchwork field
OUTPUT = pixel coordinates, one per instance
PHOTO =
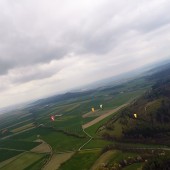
(19, 129)
(57, 160)
(57, 140)
(8, 160)
(23, 161)
(31, 148)
(18, 145)
(102, 160)
(82, 160)
(7, 154)
(42, 148)
(96, 143)
(93, 122)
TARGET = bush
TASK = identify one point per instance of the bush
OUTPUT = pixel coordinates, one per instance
(158, 163)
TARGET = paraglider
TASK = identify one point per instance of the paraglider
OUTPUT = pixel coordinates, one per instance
(92, 109)
(52, 118)
(135, 115)
(101, 106)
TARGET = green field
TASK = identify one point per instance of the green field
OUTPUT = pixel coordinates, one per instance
(18, 145)
(96, 143)
(93, 129)
(6, 154)
(135, 166)
(66, 133)
(57, 140)
(117, 101)
(38, 164)
(120, 155)
(23, 161)
(81, 160)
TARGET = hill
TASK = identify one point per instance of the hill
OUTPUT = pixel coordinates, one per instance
(152, 121)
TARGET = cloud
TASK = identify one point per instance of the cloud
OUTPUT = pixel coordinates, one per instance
(47, 46)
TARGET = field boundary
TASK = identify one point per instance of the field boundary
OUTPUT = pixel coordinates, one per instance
(51, 154)
(87, 141)
(98, 119)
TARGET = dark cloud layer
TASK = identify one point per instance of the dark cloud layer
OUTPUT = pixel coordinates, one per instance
(43, 42)
(24, 41)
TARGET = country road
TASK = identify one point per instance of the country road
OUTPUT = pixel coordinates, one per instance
(87, 141)
(98, 119)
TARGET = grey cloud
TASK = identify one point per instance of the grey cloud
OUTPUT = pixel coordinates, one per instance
(4, 66)
(100, 32)
(140, 19)
(33, 76)
(106, 32)
(25, 51)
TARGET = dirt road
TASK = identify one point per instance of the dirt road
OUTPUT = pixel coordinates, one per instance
(98, 119)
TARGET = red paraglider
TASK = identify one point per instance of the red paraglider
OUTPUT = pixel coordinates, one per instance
(52, 118)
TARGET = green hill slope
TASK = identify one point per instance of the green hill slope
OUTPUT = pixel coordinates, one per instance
(153, 115)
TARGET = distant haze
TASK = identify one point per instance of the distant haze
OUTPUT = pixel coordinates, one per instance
(51, 46)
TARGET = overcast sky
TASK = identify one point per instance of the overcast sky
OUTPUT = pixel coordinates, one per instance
(49, 46)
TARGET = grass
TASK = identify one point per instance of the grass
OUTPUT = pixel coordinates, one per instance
(70, 121)
(73, 124)
(81, 160)
(96, 143)
(6, 154)
(23, 161)
(57, 140)
(135, 166)
(18, 145)
(20, 124)
(93, 129)
(140, 145)
(21, 128)
(120, 155)
(37, 164)
(117, 101)
(116, 132)
(13, 121)
(122, 98)
(76, 120)
(104, 158)
(61, 142)
(58, 159)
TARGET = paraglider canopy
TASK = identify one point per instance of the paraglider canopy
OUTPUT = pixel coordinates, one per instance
(135, 115)
(101, 106)
(92, 109)
(52, 118)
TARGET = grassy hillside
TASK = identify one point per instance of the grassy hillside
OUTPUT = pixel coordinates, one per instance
(153, 116)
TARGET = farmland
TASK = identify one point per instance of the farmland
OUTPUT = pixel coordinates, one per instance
(6, 154)
(75, 137)
(24, 161)
(18, 145)
(85, 158)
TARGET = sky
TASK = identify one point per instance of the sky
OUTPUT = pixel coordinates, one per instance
(51, 46)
